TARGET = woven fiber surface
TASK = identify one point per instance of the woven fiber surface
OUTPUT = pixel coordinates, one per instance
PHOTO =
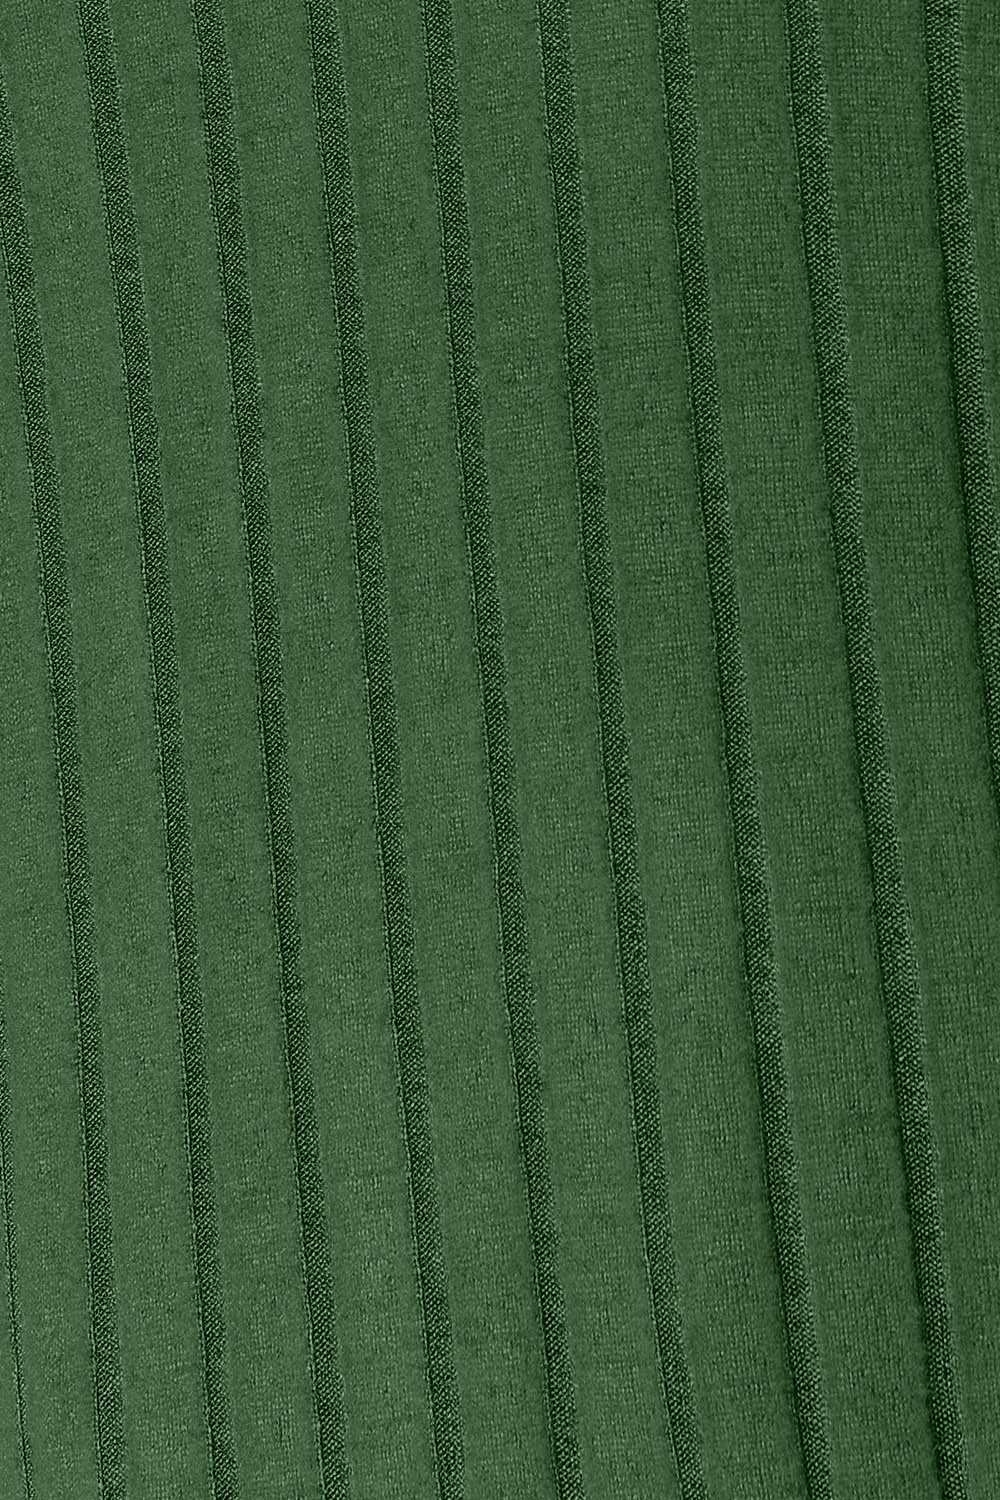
(499, 750)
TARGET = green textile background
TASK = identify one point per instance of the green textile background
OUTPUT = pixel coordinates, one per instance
(499, 750)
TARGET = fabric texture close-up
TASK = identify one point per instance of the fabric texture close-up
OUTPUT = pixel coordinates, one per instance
(499, 750)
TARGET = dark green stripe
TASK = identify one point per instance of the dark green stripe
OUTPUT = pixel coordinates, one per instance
(945, 69)
(633, 953)
(897, 960)
(753, 881)
(109, 1418)
(224, 181)
(126, 270)
(518, 986)
(332, 125)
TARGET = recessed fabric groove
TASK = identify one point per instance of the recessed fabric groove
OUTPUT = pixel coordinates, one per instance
(10, 1245)
(945, 70)
(490, 649)
(126, 271)
(341, 217)
(633, 952)
(752, 878)
(224, 183)
(897, 959)
(108, 1398)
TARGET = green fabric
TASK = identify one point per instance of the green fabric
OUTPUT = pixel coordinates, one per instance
(499, 750)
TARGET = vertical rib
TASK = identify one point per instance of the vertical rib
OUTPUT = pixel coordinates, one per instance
(633, 955)
(897, 960)
(224, 184)
(108, 1403)
(10, 1242)
(945, 68)
(489, 629)
(126, 272)
(341, 217)
(752, 879)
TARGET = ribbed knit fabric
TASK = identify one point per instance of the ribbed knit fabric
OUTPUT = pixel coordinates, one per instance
(499, 750)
